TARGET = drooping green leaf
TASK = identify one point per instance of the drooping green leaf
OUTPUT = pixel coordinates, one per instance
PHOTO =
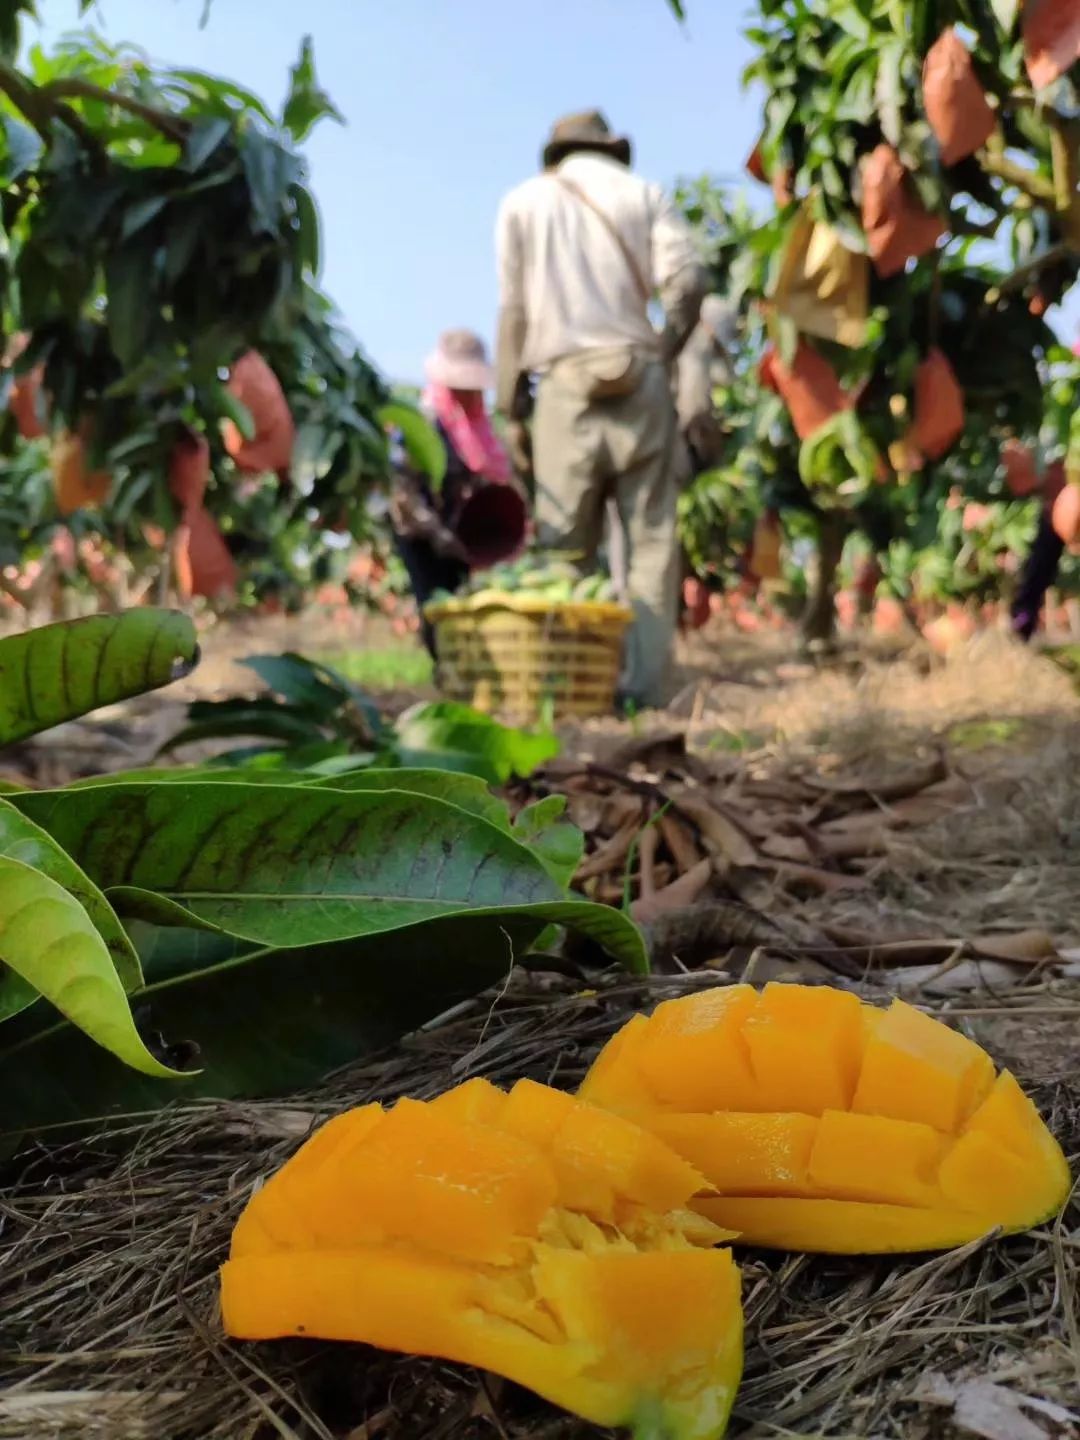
(204, 137)
(22, 840)
(48, 939)
(307, 215)
(62, 671)
(422, 442)
(130, 316)
(446, 729)
(278, 722)
(264, 1024)
(559, 844)
(294, 866)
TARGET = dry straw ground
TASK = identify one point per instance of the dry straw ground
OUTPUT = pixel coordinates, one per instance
(109, 1246)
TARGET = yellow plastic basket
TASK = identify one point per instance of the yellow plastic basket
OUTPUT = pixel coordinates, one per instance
(516, 655)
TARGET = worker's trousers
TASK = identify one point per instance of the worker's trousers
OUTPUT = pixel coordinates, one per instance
(625, 449)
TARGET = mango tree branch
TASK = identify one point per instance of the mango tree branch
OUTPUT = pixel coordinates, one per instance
(26, 98)
(73, 88)
(996, 163)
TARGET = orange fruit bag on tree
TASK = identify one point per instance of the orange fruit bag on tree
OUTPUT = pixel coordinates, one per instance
(898, 226)
(1021, 472)
(809, 387)
(76, 487)
(258, 389)
(939, 407)
(1065, 514)
(765, 547)
(202, 564)
(956, 105)
(26, 401)
(1051, 39)
(823, 286)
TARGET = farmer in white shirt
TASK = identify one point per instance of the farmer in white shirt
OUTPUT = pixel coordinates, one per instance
(582, 250)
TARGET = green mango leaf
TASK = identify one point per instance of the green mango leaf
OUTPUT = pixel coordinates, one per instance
(204, 137)
(289, 866)
(306, 104)
(310, 241)
(557, 843)
(130, 318)
(62, 671)
(48, 939)
(467, 792)
(270, 722)
(22, 840)
(446, 730)
(267, 1023)
(422, 441)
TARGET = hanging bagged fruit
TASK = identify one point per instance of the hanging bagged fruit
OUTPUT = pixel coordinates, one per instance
(765, 547)
(77, 488)
(1051, 39)
(939, 407)
(202, 564)
(825, 1124)
(956, 104)
(527, 1233)
(898, 226)
(1065, 513)
(26, 400)
(809, 387)
(1021, 471)
(823, 286)
(257, 388)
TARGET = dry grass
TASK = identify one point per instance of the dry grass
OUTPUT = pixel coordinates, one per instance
(109, 1261)
(109, 1246)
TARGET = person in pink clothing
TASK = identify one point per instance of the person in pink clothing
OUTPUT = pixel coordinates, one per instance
(458, 375)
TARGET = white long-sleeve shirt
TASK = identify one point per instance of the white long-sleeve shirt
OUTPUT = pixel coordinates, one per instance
(559, 264)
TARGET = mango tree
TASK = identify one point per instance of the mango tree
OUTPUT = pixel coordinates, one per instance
(923, 160)
(158, 238)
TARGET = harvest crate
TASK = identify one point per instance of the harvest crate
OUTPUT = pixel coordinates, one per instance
(516, 654)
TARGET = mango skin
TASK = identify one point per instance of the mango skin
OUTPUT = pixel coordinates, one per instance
(530, 1234)
(824, 1124)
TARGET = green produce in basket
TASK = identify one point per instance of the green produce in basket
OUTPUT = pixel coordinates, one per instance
(555, 581)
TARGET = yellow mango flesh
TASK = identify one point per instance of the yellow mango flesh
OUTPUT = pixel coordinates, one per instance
(848, 1129)
(529, 1233)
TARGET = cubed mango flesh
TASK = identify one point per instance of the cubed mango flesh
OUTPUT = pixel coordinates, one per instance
(538, 1237)
(822, 1123)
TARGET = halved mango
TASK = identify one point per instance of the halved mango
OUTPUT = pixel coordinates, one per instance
(850, 1129)
(529, 1233)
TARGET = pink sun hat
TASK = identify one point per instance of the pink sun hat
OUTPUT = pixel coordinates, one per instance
(460, 362)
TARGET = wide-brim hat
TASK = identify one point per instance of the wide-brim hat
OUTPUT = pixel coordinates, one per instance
(588, 130)
(459, 361)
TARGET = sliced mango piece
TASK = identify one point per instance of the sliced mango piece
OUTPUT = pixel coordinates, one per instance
(915, 1068)
(869, 1130)
(841, 1161)
(694, 1055)
(805, 1046)
(546, 1240)
(842, 1227)
(744, 1154)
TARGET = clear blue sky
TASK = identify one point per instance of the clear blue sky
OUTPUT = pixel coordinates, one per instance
(447, 103)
